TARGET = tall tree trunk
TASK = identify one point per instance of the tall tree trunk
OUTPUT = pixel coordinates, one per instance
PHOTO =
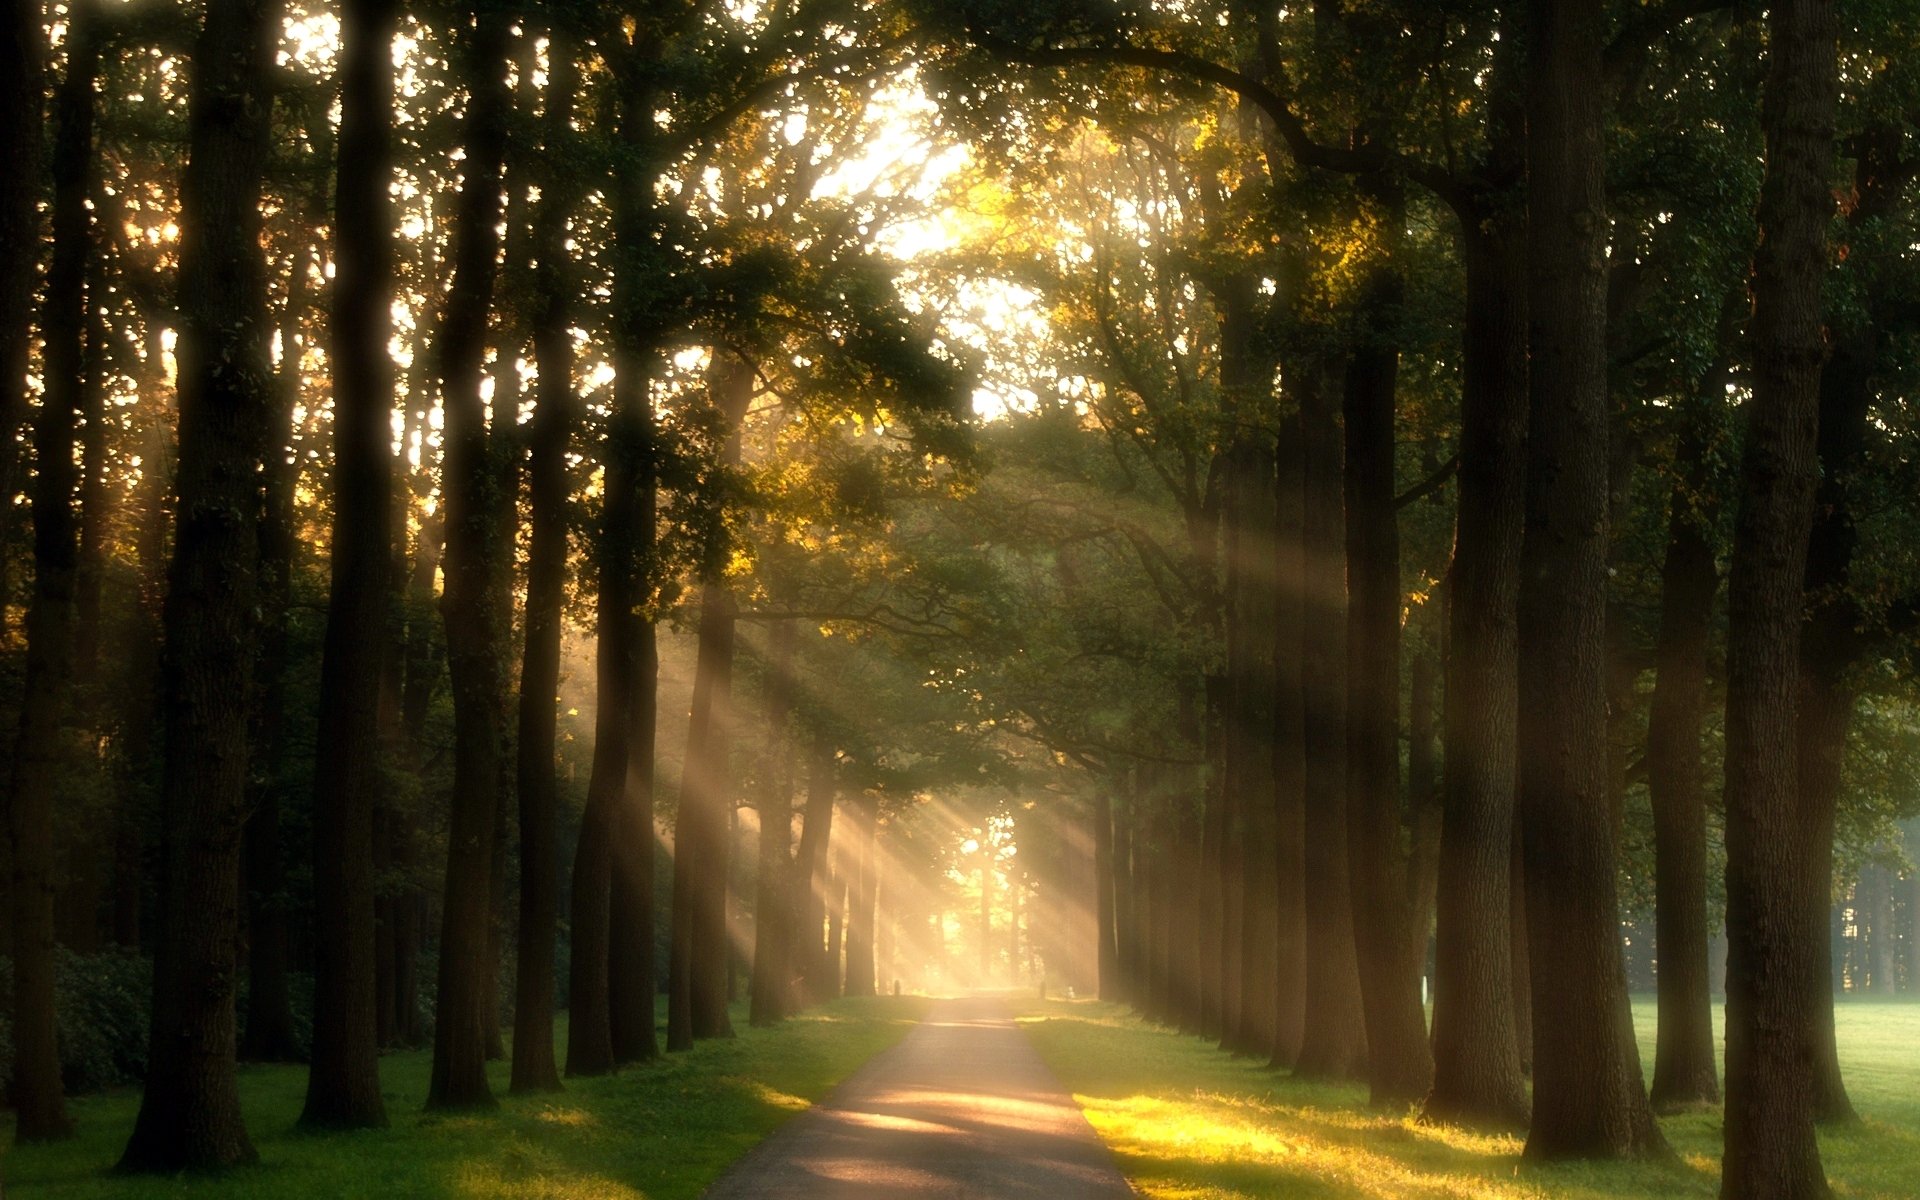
(1589, 1099)
(1685, 1071)
(1335, 1040)
(1400, 1065)
(773, 918)
(697, 1001)
(1833, 641)
(38, 1095)
(701, 850)
(343, 1086)
(1477, 1050)
(140, 704)
(1251, 637)
(1106, 945)
(190, 1108)
(812, 871)
(269, 1034)
(836, 928)
(534, 1067)
(590, 1049)
(860, 963)
(23, 48)
(468, 602)
(1125, 936)
(1776, 894)
(630, 953)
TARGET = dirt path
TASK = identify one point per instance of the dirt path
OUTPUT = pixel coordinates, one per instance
(961, 1108)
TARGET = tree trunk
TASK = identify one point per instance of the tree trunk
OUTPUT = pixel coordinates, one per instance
(38, 1095)
(1126, 957)
(590, 1045)
(1106, 944)
(836, 930)
(1400, 1065)
(534, 1067)
(1776, 895)
(811, 872)
(866, 869)
(697, 1001)
(1589, 1099)
(1832, 640)
(23, 48)
(1252, 630)
(1684, 1068)
(773, 917)
(269, 1034)
(701, 849)
(1334, 1045)
(468, 601)
(190, 1109)
(343, 1087)
(1477, 1057)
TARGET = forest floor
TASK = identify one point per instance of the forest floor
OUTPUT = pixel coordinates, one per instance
(655, 1132)
(1189, 1122)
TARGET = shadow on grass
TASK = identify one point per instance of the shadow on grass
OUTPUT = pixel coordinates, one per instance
(655, 1131)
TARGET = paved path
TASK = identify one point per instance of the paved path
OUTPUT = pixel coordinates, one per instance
(961, 1109)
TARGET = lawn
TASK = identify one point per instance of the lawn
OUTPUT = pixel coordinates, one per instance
(1191, 1123)
(652, 1132)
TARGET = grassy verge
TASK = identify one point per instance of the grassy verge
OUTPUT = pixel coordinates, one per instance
(1191, 1123)
(653, 1132)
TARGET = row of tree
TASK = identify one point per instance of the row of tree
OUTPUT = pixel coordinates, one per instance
(534, 315)
(1661, 254)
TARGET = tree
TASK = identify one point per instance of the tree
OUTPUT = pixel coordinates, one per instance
(190, 1108)
(1775, 905)
(22, 110)
(343, 1086)
(472, 566)
(1588, 1097)
(38, 1093)
(1685, 1070)
(1477, 1047)
(533, 1061)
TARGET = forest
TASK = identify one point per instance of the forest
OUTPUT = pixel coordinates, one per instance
(1377, 540)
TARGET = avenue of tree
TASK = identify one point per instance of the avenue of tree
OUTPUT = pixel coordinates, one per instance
(1283, 515)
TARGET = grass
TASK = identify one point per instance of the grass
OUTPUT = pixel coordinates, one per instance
(1191, 1123)
(652, 1132)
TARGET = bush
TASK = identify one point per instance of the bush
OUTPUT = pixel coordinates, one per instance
(103, 1002)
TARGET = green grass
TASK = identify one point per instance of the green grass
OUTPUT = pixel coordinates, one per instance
(651, 1132)
(1189, 1122)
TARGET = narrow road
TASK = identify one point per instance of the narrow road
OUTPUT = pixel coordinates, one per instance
(961, 1109)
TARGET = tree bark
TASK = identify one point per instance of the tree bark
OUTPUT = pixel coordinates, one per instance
(1106, 945)
(343, 1086)
(534, 1066)
(468, 602)
(1589, 1099)
(1334, 1045)
(1776, 897)
(190, 1109)
(1477, 1057)
(1685, 1071)
(812, 871)
(770, 991)
(269, 1034)
(38, 1095)
(866, 870)
(1400, 1065)
(23, 48)
(1252, 630)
